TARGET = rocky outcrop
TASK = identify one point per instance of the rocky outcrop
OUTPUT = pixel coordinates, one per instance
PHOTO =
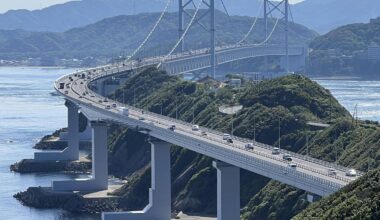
(32, 166)
(40, 197)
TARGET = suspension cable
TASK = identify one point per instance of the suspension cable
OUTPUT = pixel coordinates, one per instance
(151, 32)
(183, 34)
(253, 25)
(270, 35)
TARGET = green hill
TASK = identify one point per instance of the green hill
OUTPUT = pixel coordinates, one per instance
(349, 38)
(359, 200)
(343, 51)
(294, 98)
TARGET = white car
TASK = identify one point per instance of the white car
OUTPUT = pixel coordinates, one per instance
(195, 128)
(276, 150)
(226, 136)
(351, 172)
(287, 157)
(249, 146)
(292, 165)
(331, 172)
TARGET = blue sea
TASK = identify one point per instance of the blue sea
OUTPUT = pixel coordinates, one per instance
(28, 111)
(363, 94)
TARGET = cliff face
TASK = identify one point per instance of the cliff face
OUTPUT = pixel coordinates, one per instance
(294, 99)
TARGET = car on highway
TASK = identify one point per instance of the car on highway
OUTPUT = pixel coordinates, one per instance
(276, 151)
(249, 146)
(331, 172)
(351, 172)
(195, 127)
(287, 157)
(292, 165)
(108, 107)
(172, 127)
(203, 133)
(114, 105)
(229, 140)
(226, 136)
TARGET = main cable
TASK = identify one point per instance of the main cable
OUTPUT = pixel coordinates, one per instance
(252, 26)
(183, 34)
(270, 35)
(151, 32)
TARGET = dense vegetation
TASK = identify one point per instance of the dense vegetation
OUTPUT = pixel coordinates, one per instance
(343, 51)
(359, 200)
(295, 99)
(123, 33)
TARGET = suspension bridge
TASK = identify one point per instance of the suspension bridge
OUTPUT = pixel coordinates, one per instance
(306, 173)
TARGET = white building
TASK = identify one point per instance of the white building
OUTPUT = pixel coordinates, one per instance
(373, 52)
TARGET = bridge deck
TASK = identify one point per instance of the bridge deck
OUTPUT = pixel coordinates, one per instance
(310, 175)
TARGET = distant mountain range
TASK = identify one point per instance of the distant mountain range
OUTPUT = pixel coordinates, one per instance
(319, 15)
(124, 33)
(62, 17)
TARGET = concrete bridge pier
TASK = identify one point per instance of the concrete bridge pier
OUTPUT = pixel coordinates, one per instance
(159, 207)
(228, 191)
(99, 179)
(72, 150)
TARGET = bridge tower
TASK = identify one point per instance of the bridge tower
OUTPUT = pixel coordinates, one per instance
(281, 7)
(209, 6)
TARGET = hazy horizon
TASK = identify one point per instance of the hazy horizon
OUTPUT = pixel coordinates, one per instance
(39, 4)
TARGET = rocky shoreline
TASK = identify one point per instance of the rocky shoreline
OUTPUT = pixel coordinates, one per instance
(45, 198)
(52, 142)
(33, 166)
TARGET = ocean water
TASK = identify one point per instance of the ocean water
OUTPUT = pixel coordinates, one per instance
(364, 94)
(28, 112)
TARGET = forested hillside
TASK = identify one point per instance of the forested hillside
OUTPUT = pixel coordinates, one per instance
(294, 99)
(343, 51)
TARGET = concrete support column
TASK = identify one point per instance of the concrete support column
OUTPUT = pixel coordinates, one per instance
(99, 154)
(159, 207)
(99, 179)
(73, 131)
(228, 192)
(72, 150)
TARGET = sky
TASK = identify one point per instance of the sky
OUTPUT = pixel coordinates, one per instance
(38, 4)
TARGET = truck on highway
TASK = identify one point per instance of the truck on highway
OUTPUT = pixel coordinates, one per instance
(124, 111)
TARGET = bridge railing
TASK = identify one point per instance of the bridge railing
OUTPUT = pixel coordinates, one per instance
(109, 70)
(249, 160)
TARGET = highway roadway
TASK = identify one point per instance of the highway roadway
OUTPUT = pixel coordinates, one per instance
(76, 89)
